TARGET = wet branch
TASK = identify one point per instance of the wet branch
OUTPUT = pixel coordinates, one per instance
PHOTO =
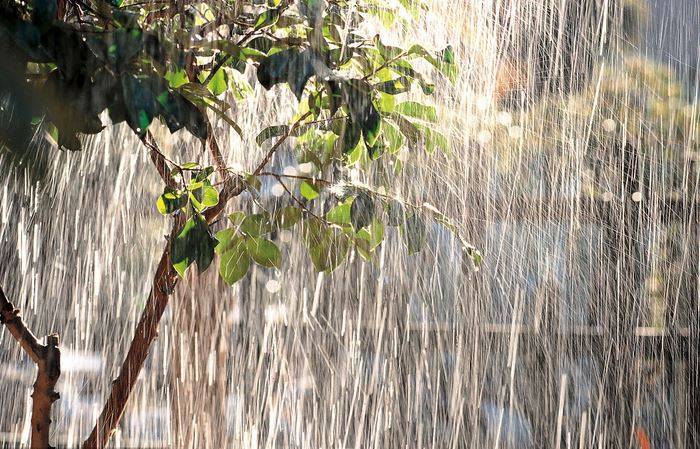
(48, 360)
(164, 283)
(159, 160)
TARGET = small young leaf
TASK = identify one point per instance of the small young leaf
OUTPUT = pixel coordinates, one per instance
(170, 202)
(308, 191)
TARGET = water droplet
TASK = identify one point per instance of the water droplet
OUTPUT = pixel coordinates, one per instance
(609, 125)
(483, 103)
(515, 132)
(306, 168)
(272, 286)
(277, 190)
(484, 136)
(504, 118)
(637, 197)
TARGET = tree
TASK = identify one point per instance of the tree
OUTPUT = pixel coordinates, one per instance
(73, 63)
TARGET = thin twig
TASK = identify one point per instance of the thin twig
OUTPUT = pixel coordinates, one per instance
(277, 144)
(228, 57)
(303, 178)
(297, 200)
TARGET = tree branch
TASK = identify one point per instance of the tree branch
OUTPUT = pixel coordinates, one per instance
(48, 360)
(159, 160)
(9, 316)
(164, 283)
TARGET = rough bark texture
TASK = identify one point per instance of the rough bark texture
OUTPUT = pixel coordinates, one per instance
(48, 360)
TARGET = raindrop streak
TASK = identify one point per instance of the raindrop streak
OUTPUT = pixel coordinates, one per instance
(573, 167)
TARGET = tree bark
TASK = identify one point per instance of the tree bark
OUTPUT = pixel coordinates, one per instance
(48, 360)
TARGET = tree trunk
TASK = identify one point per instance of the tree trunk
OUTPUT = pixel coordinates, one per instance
(48, 360)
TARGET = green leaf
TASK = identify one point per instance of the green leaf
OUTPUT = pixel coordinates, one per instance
(404, 68)
(253, 182)
(357, 95)
(293, 67)
(176, 78)
(387, 103)
(414, 232)
(267, 18)
(387, 52)
(340, 214)
(256, 225)
(287, 217)
(225, 237)
(417, 110)
(395, 86)
(235, 260)
(443, 61)
(237, 217)
(270, 132)
(362, 211)
(171, 201)
(264, 252)
(195, 243)
(373, 235)
(308, 191)
(219, 82)
(350, 134)
(393, 139)
(327, 247)
(203, 197)
(408, 129)
(395, 213)
(376, 233)
(475, 256)
(433, 139)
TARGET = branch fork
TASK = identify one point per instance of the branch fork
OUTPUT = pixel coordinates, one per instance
(48, 360)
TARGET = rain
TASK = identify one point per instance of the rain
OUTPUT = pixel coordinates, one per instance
(573, 168)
